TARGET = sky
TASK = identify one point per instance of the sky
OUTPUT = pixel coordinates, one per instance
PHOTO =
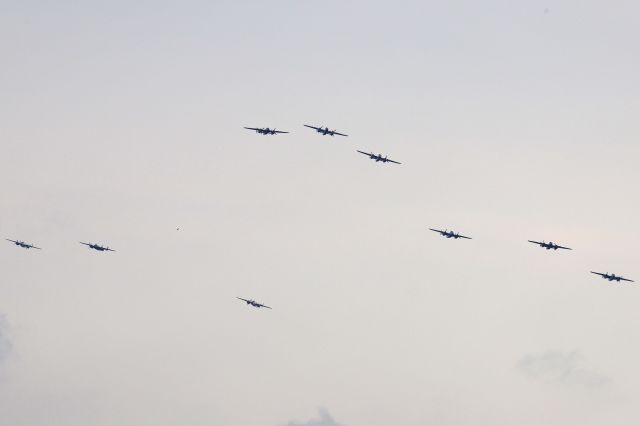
(123, 121)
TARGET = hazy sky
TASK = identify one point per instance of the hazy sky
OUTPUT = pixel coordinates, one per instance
(122, 121)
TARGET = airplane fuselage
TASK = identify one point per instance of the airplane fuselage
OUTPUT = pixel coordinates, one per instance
(22, 244)
(612, 277)
(97, 247)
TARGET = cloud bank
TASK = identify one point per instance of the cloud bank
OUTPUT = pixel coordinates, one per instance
(324, 419)
(562, 368)
(5, 343)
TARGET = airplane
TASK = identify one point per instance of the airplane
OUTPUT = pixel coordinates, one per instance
(23, 244)
(611, 277)
(549, 245)
(450, 234)
(97, 247)
(254, 303)
(325, 131)
(378, 157)
(265, 131)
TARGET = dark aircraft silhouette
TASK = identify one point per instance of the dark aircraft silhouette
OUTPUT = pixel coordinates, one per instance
(254, 303)
(325, 131)
(23, 244)
(378, 157)
(450, 234)
(549, 245)
(97, 247)
(611, 277)
(265, 131)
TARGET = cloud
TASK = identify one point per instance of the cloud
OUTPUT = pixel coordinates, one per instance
(325, 419)
(562, 368)
(5, 343)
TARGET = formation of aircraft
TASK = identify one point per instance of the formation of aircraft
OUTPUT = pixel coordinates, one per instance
(378, 157)
(97, 247)
(450, 234)
(265, 131)
(254, 303)
(23, 244)
(549, 245)
(325, 131)
(612, 277)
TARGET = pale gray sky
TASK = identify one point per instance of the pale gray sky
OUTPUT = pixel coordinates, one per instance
(123, 120)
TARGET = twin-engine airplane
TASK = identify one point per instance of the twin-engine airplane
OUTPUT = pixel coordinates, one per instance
(23, 244)
(97, 247)
(549, 245)
(450, 234)
(265, 131)
(325, 131)
(378, 157)
(611, 277)
(254, 303)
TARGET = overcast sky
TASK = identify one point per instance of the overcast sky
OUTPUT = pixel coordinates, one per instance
(123, 120)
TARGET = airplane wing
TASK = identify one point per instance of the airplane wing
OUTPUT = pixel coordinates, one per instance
(341, 134)
(108, 249)
(535, 242)
(597, 273)
(36, 247)
(11, 240)
(311, 127)
(436, 230)
(86, 244)
(263, 306)
(565, 248)
(362, 152)
(626, 279)
(462, 236)
(391, 161)
(278, 131)
(253, 128)
(242, 299)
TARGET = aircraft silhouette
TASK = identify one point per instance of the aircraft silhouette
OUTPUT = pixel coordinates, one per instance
(450, 234)
(325, 131)
(549, 245)
(378, 157)
(97, 247)
(265, 131)
(23, 244)
(254, 303)
(611, 277)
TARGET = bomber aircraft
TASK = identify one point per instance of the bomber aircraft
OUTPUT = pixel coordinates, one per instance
(450, 234)
(378, 157)
(97, 247)
(325, 131)
(254, 303)
(611, 277)
(23, 244)
(265, 131)
(549, 245)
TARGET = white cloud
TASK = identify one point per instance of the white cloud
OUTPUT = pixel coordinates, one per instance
(559, 367)
(324, 419)
(5, 343)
